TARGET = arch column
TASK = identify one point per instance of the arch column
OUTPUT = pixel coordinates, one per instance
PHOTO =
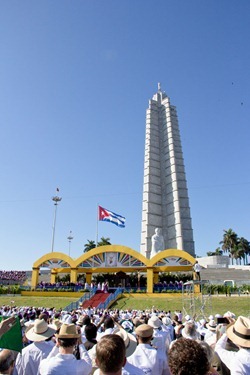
(150, 280)
(53, 275)
(156, 277)
(35, 276)
(73, 275)
(88, 277)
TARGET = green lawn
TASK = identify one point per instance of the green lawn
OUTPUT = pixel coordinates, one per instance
(57, 302)
(219, 304)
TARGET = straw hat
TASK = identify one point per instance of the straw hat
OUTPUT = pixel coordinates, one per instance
(239, 332)
(56, 324)
(68, 331)
(129, 340)
(229, 314)
(211, 325)
(79, 321)
(126, 316)
(39, 331)
(167, 321)
(154, 322)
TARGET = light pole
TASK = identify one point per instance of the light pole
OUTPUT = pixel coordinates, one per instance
(55, 199)
(70, 238)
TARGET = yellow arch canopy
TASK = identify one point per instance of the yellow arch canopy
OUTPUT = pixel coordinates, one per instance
(55, 260)
(113, 258)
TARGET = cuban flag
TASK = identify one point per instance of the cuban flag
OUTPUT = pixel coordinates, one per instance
(107, 215)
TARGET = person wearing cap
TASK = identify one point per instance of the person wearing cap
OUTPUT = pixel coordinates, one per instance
(83, 321)
(239, 333)
(145, 356)
(127, 323)
(167, 325)
(161, 339)
(210, 336)
(190, 332)
(40, 334)
(61, 360)
(202, 328)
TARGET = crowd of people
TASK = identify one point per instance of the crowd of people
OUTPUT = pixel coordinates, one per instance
(114, 342)
(104, 286)
(17, 276)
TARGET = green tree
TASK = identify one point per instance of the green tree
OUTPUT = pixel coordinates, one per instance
(217, 251)
(89, 246)
(104, 241)
(210, 253)
(244, 248)
(230, 240)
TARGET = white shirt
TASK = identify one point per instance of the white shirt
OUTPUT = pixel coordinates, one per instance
(29, 360)
(237, 362)
(128, 369)
(197, 267)
(210, 337)
(108, 331)
(161, 340)
(170, 330)
(66, 364)
(149, 360)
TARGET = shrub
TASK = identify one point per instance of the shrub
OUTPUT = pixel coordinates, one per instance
(10, 289)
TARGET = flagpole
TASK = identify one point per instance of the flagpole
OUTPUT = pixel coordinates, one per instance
(97, 224)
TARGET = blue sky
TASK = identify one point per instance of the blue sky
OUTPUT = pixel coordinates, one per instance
(75, 80)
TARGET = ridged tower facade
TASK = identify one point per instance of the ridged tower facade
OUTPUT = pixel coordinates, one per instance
(165, 194)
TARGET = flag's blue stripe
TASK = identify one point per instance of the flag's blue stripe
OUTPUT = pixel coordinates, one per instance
(116, 222)
(114, 218)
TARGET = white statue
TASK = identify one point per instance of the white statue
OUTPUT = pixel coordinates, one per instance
(157, 242)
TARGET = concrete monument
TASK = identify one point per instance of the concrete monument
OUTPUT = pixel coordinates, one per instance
(165, 195)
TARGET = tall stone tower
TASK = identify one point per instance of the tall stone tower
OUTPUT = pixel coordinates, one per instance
(165, 195)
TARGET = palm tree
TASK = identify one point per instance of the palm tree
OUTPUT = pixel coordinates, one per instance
(244, 247)
(104, 241)
(89, 246)
(218, 251)
(230, 239)
(210, 253)
(235, 253)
